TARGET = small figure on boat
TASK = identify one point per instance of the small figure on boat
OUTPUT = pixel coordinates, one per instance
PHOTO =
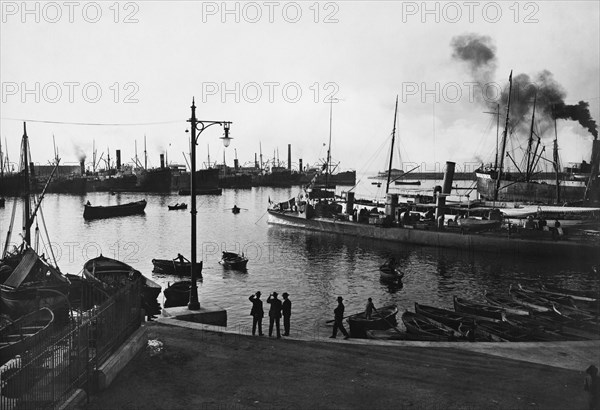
(88, 203)
(274, 314)
(287, 312)
(369, 308)
(591, 384)
(180, 258)
(257, 313)
(429, 215)
(338, 313)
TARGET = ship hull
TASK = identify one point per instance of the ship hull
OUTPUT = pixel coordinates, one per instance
(476, 242)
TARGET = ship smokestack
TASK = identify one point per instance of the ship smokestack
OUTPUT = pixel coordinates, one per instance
(236, 164)
(289, 157)
(82, 166)
(300, 165)
(446, 190)
(255, 161)
(118, 160)
(162, 160)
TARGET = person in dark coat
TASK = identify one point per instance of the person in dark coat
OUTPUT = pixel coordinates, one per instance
(592, 386)
(287, 312)
(339, 317)
(274, 314)
(257, 313)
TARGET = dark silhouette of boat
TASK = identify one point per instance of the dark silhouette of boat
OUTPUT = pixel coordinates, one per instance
(175, 267)
(383, 318)
(234, 261)
(177, 207)
(177, 293)
(114, 275)
(24, 333)
(390, 271)
(419, 327)
(97, 212)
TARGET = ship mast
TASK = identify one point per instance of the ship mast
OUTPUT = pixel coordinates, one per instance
(387, 186)
(530, 160)
(329, 148)
(504, 135)
(26, 193)
(556, 165)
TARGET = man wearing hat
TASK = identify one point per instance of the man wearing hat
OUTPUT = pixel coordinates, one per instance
(339, 317)
(287, 312)
(257, 313)
(274, 314)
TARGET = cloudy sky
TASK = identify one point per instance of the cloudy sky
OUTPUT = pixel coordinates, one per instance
(130, 69)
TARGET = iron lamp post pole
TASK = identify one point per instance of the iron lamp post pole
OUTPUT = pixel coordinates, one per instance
(194, 303)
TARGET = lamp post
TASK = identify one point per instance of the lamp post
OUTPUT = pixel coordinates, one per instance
(199, 126)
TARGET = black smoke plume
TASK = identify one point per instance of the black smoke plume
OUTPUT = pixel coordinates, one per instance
(479, 53)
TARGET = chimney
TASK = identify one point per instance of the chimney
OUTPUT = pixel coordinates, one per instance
(235, 164)
(300, 165)
(118, 160)
(82, 166)
(289, 157)
(162, 160)
(255, 161)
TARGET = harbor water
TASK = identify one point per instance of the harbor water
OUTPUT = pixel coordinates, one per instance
(314, 268)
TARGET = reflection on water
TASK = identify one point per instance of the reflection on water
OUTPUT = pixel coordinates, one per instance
(314, 268)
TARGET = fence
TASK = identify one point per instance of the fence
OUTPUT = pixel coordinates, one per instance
(46, 374)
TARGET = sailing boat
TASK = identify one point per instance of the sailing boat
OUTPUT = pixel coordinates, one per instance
(29, 282)
(495, 184)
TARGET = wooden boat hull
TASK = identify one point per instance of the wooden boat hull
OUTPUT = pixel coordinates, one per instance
(385, 319)
(99, 212)
(509, 305)
(479, 309)
(171, 267)
(496, 242)
(420, 327)
(234, 261)
(449, 318)
(177, 207)
(24, 333)
(390, 274)
(177, 294)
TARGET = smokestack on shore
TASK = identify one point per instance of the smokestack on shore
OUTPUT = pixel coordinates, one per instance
(300, 165)
(162, 161)
(289, 157)
(118, 160)
(82, 166)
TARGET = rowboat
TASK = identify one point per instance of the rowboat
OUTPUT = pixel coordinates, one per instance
(389, 334)
(560, 299)
(381, 319)
(234, 261)
(97, 212)
(501, 332)
(457, 321)
(419, 327)
(177, 294)
(479, 309)
(508, 304)
(114, 274)
(177, 207)
(533, 302)
(172, 267)
(24, 333)
(390, 271)
(583, 295)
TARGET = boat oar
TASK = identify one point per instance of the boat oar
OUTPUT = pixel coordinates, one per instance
(333, 320)
(386, 321)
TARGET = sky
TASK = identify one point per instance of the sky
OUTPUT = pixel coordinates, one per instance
(110, 73)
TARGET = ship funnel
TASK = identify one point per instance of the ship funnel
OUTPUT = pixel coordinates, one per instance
(162, 160)
(446, 190)
(289, 157)
(300, 165)
(236, 164)
(119, 159)
(82, 166)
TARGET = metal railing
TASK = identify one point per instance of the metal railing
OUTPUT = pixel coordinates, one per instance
(46, 374)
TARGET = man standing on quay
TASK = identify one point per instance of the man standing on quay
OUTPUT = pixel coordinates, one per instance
(257, 313)
(287, 312)
(274, 314)
(339, 317)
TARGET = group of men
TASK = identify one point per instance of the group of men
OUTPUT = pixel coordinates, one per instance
(278, 309)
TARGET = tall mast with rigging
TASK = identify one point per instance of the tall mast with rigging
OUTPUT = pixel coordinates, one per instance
(530, 160)
(329, 147)
(504, 136)
(27, 186)
(387, 186)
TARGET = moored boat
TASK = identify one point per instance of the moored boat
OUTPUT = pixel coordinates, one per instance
(98, 212)
(492, 313)
(419, 327)
(508, 304)
(177, 206)
(381, 319)
(24, 333)
(457, 321)
(390, 271)
(234, 261)
(177, 293)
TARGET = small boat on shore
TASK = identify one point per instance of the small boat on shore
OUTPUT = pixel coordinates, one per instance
(583, 295)
(381, 319)
(531, 301)
(234, 261)
(177, 206)
(419, 327)
(508, 304)
(114, 274)
(446, 317)
(176, 267)
(177, 293)
(98, 212)
(24, 333)
(488, 312)
(389, 334)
